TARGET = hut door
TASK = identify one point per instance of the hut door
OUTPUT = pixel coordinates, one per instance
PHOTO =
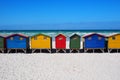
(60, 41)
(75, 42)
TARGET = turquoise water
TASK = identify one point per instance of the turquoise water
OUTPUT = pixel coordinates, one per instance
(55, 32)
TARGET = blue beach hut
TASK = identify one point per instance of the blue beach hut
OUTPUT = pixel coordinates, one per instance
(17, 41)
(94, 41)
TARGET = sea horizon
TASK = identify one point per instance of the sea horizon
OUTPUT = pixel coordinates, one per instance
(65, 30)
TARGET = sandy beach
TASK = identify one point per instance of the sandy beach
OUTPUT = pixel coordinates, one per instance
(69, 66)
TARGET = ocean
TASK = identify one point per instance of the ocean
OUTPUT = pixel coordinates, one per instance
(53, 33)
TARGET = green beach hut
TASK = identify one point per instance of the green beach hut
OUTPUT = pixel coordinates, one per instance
(2, 43)
(75, 42)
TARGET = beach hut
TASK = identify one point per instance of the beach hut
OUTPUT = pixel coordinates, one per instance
(113, 42)
(74, 43)
(60, 42)
(17, 42)
(41, 41)
(94, 41)
(2, 43)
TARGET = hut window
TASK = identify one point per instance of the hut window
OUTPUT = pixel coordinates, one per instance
(99, 38)
(113, 38)
(45, 37)
(21, 38)
(74, 38)
(89, 38)
(60, 38)
(11, 38)
(35, 37)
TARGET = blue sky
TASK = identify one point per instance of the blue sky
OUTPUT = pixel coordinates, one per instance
(59, 14)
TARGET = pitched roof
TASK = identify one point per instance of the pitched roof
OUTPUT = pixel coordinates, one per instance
(40, 34)
(94, 34)
(113, 34)
(60, 35)
(74, 35)
(22, 35)
(2, 36)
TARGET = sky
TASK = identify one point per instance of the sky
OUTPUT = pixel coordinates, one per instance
(59, 14)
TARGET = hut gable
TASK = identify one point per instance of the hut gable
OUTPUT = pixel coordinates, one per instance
(2, 36)
(37, 35)
(60, 35)
(17, 41)
(92, 34)
(94, 40)
(114, 41)
(74, 42)
(20, 35)
(114, 35)
(60, 41)
(41, 41)
(74, 35)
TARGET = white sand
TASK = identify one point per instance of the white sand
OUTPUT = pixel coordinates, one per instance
(69, 66)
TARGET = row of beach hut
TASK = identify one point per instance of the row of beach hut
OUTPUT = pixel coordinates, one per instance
(42, 41)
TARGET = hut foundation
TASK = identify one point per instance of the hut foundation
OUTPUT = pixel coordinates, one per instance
(33, 50)
(2, 50)
(102, 50)
(57, 50)
(49, 50)
(86, 50)
(117, 50)
(40, 50)
(110, 50)
(71, 50)
(16, 50)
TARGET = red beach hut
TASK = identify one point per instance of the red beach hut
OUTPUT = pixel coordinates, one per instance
(60, 42)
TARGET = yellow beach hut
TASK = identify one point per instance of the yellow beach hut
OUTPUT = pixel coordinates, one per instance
(41, 41)
(113, 42)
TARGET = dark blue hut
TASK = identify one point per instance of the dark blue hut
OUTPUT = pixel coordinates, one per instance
(17, 41)
(94, 41)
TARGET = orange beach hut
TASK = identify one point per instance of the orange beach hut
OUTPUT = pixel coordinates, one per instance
(114, 41)
(41, 41)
